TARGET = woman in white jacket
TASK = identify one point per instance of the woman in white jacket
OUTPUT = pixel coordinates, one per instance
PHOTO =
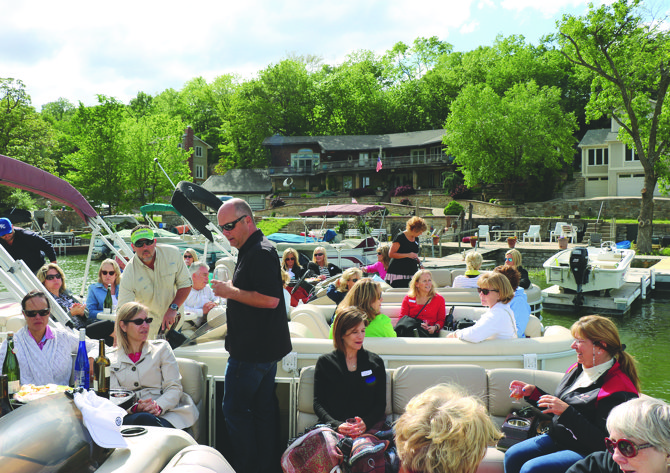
(495, 292)
(149, 368)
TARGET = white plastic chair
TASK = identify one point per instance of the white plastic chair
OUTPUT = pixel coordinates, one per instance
(556, 232)
(569, 231)
(534, 233)
(483, 232)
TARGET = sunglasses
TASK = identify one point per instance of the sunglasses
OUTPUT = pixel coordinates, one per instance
(318, 254)
(33, 313)
(188, 256)
(229, 226)
(508, 259)
(50, 277)
(290, 259)
(139, 322)
(105, 273)
(354, 280)
(379, 252)
(627, 448)
(486, 291)
(143, 242)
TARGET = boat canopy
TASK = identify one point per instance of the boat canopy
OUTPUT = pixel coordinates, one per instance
(15, 173)
(145, 209)
(355, 210)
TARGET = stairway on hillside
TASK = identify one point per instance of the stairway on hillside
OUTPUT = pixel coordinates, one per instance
(603, 228)
(574, 189)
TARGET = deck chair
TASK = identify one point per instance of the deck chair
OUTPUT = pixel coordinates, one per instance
(569, 231)
(556, 232)
(353, 233)
(534, 233)
(483, 232)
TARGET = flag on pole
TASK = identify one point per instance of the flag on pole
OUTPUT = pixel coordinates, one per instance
(379, 163)
(354, 201)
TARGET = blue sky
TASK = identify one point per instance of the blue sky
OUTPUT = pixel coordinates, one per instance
(76, 49)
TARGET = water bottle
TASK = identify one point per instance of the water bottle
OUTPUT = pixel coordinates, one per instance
(10, 367)
(81, 366)
(107, 305)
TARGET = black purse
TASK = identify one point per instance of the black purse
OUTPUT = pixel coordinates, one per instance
(409, 326)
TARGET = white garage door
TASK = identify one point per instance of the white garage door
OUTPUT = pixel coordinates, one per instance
(255, 201)
(631, 185)
(596, 187)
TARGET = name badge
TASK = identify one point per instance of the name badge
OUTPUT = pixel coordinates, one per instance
(366, 373)
(413, 301)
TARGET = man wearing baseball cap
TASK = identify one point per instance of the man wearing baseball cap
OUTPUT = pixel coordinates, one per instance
(155, 276)
(26, 245)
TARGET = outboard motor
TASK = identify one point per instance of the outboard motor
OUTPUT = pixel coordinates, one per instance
(579, 260)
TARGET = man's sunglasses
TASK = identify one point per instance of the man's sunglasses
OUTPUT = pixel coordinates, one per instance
(627, 448)
(139, 322)
(143, 242)
(50, 277)
(486, 291)
(34, 313)
(230, 225)
(105, 273)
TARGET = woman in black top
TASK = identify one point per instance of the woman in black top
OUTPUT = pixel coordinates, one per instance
(320, 265)
(513, 259)
(350, 382)
(405, 254)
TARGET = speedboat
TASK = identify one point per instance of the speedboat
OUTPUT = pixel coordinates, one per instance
(589, 269)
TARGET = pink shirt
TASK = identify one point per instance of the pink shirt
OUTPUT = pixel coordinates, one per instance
(134, 357)
(48, 334)
(378, 267)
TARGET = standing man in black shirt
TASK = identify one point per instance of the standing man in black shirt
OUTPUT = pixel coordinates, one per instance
(258, 337)
(25, 245)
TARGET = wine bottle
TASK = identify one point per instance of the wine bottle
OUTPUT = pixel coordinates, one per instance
(101, 374)
(81, 366)
(107, 305)
(10, 367)
(5, 406)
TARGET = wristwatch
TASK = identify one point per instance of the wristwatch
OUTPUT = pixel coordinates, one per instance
(174, 306)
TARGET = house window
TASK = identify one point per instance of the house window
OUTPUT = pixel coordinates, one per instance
(363, 159)
(347, 183)
(599, 157)
(631, 155)
(198, 151)
(436, 152)
(199, 171)
(305, 160)
(366, 181)
(418, 156)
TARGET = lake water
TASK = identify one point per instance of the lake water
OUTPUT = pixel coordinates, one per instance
(645, 329)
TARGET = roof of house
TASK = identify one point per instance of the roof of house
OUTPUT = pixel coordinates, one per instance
(369, 142)
(240, 181)
(598, 137)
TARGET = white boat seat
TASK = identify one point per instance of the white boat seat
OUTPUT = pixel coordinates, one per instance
(198, 459)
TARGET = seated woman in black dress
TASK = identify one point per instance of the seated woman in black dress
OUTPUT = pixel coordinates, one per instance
(350, 382)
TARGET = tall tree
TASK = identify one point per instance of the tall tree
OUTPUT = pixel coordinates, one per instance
(629, 61)
(514, 138)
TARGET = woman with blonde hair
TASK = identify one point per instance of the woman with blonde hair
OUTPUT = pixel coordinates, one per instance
(495, 292)
(366, 295)
(444, 430)
(513, 259)
(337, 290)
(53, 278)
(603, 377)
(424, 303)
(190, 256)
(383, 261)
(405, 254)
(290, 262)
(148, 368)
(320, 265)
(109, 276)
(473, 261)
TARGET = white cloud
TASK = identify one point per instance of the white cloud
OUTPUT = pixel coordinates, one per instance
(469, 27)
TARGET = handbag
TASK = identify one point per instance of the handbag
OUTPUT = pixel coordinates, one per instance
(409, 326)
(521, 425)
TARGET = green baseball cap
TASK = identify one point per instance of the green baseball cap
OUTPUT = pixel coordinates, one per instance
(141, 234)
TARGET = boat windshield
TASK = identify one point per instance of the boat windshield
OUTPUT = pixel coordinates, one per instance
(47, 435)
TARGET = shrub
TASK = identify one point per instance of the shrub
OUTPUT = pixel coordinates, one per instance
(406, 202)
(326, 193)
(460, 192)
(453, 208)
(361, 191)
(277, 202)
(403, 190)
(304, 196)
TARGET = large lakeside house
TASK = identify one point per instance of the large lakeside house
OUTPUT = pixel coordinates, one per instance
(197, 161)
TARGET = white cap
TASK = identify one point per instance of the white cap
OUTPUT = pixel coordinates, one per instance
(102, 418)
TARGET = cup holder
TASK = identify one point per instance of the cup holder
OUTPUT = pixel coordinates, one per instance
(133, 431)
(519, 422)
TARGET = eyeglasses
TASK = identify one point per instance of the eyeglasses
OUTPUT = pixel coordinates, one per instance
(379, 252)
(105, 273)
(509, 259)
(50, 277)
(33, 313)
(290, 259)
(230, 225)
(354, 280)
(486, 291)
(318, 254)
(139, 322)
(188, 256)
(627, 448)
(143, 242)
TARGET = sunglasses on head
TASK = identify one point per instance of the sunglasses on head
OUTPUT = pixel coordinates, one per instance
(486, 291)
(33, 313)
(139, 322)
(105, 273)
(627, 448)
(318, 254)
(50, 277)
(230, 225)
(143, 242)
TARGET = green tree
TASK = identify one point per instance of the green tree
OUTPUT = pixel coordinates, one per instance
(97, 169)
(628, 60)
(512, 138)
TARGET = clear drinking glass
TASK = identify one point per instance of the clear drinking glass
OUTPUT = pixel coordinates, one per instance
(221, 273)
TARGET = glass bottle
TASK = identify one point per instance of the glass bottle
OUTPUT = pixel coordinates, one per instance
(81, 366)
(10, 367)
(101, 375)
(107, 304)
(5, 406)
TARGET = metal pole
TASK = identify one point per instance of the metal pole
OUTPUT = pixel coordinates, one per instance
(166, 174)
